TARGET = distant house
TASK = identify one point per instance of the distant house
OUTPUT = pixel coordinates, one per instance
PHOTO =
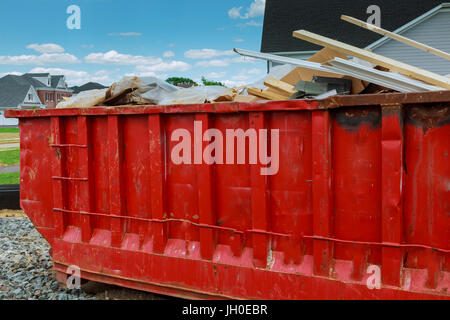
(31, 90)
(424, 21)
(86, 87)
(51, 89)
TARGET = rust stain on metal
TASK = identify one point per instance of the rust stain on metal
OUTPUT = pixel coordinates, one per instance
(58, 154)
(353, 118)
(429, 117)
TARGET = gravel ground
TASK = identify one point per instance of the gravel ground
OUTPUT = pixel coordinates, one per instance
(25, 265)
(26, 268)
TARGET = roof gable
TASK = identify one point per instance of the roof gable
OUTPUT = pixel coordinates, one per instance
(282, 17)
(13, 90)
(55, 81)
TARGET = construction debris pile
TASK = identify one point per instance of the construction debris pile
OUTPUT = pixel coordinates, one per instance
(329, 72)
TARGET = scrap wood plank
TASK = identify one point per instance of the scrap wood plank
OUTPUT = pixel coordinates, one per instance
(397, 37)
(247, 99)
(266, 94)
(392, 64)
(285, 88)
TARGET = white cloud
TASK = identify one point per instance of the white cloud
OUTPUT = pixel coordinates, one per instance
(214, 63)
(244, 77)
(145, 66)
(46, 48)
(43, 59)
(164, 67)
(169, 54)
(240, 78)
(254, 71)
(162, 76)
(238, 40)
(256, 9)
(171, 45)
(235, 13)
(15, 73)
(115, 58)
(125, 34)
(224, 62)
(87, 46)
(251, 23)
(233, 83)
(207, 53)
(74, 77)
(216, 75)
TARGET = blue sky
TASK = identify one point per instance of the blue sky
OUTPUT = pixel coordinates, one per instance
(140, 37)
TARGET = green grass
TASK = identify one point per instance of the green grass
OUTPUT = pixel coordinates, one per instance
(10, 157)
(10, 178)
(9, 130)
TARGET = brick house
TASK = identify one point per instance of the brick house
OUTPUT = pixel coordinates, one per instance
(51, 89)
(31, 90)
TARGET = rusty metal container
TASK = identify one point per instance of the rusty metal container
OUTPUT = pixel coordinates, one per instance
(361, 194)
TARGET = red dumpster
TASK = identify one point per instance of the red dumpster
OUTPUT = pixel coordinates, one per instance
(190, 201)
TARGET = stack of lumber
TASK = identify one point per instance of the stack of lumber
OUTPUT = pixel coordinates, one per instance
(383, 73)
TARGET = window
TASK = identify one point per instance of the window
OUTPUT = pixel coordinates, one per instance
(52, 97)
(30, 97)
(59, 96)
(46, 96)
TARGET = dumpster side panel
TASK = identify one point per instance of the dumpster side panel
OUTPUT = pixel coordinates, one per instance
(291, 189)
(357, 184)
(36, 173)
(427, 219)
(359, 201)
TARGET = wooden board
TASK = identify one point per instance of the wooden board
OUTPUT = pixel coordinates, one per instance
(397, 37)
(266, 94)
(247, 99)
(392, 64)
(283, 87)
(326, 54)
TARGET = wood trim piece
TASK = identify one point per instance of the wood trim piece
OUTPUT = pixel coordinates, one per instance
(266, 94)
(396, 36)
(279, 85)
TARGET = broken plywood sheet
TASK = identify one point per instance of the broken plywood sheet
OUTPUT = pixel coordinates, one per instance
(323, 56)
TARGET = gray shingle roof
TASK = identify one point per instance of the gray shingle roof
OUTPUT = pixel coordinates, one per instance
(282, 17)
(13, 90)
(55, 80)
(39, 75)
(87, 86)
(35, 83)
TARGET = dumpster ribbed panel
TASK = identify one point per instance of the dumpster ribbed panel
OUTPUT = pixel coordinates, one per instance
(362, 185)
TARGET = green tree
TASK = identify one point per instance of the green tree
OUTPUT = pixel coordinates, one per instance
(182, 82)
(211, 83)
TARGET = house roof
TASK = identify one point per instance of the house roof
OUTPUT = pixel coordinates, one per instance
(35, 83)
(282, 17)
(13, 90)
(87, 86)
(55, 81)
(39, 75)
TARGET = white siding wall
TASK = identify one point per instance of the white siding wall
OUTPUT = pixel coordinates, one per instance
(44, 80)
(434, 32)
(7, 121)
(34, 98)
